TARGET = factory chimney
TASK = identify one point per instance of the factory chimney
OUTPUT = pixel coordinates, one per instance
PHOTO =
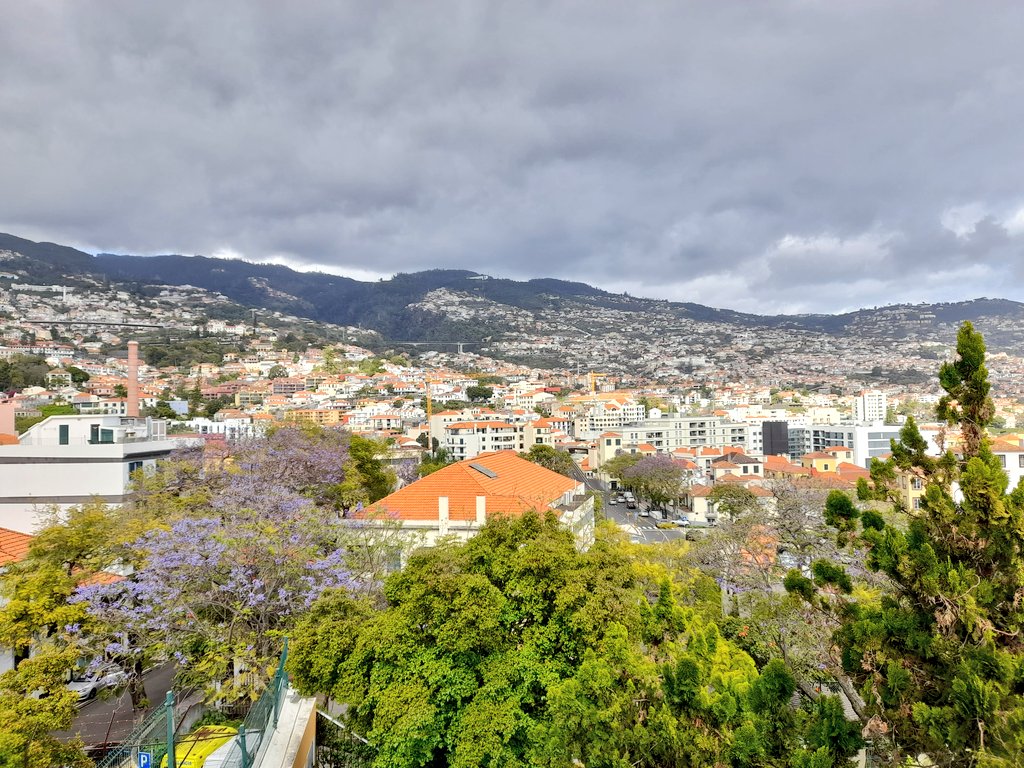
(133, 378)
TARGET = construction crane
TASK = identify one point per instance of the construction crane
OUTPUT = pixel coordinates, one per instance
(593, 377)
(430, 412)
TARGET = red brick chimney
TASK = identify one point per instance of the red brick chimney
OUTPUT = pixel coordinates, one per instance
(133, 378)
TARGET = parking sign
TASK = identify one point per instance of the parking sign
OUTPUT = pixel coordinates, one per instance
(145, 760)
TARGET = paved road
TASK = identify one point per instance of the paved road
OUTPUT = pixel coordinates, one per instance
(641, 529)
(110, 720)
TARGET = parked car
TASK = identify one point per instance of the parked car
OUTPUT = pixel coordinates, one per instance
(89, 683)
(642, 512)
(682, 521)
(612, 500)
(621, 499)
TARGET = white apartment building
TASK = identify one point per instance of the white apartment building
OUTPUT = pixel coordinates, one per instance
(670, 431)
(600, 415)
(867, 441)
(68, 460)
(869, 407)
(232, 429)
(466, 439)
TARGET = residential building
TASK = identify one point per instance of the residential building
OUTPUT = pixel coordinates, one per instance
(457, 500)
(670, 431)
(466, 439)
(1011, 458)
(869, 407)
(68, 460)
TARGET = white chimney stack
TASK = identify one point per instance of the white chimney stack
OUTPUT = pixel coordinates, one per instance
(481, 510)
(442, 515)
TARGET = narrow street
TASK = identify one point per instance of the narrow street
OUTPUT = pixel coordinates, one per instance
(640, 529)
(109, 720)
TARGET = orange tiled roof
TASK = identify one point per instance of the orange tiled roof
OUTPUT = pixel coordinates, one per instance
(847, 470)
(1002, 446)
(518, 485)
(13, 545)
(102, 577)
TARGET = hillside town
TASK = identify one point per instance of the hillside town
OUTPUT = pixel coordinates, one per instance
(668, 431)
(459, 403)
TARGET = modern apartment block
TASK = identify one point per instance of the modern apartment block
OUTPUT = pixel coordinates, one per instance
(670, 431)
(867, 441)
(68, 460)
(869, 407)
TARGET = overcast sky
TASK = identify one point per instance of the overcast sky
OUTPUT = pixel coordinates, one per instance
(773, 156)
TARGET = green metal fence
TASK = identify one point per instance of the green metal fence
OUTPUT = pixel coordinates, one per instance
(254, 733)
(155, 735)
(151, 736)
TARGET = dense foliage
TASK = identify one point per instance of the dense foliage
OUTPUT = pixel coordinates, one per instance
(516, 649)
(222, 551)
(555, 459)
(23, 371)
(940, 657)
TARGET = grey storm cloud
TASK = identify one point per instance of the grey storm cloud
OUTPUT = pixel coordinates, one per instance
(779, 156)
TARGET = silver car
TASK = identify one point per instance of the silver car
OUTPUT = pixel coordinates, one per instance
(89, 683)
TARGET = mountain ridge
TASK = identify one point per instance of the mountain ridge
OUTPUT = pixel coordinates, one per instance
(389, 306)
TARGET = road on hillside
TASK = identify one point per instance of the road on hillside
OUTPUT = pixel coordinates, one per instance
(109, 720)
(640, 529)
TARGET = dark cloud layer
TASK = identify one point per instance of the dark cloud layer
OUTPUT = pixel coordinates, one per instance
(798, 156)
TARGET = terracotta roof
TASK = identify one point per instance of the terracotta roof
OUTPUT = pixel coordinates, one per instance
(13, 545)
(1001, 446)
(6, 439)
(791, 469)
(846, 469)
(101, 577)
(817, 455)
(512, 486)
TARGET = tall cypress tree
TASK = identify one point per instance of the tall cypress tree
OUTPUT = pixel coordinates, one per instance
(940, 658)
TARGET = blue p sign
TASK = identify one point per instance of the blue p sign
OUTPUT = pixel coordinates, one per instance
(145, 760)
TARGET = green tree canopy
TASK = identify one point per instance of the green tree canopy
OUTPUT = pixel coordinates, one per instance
(940, 656)
(551, 458)
(516, 649)
(277, 372)
(478, 393)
